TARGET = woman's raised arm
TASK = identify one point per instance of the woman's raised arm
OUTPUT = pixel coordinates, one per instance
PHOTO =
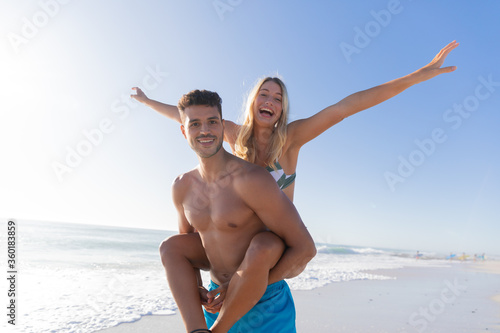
(304, 130)
(169, 111)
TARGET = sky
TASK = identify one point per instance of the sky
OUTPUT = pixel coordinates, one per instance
(418, 172)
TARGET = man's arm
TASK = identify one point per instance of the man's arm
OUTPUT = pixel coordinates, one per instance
(278, 213)
(182, 255)
(178, 193)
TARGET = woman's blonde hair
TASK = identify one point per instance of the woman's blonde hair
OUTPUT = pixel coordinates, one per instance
(245, 142)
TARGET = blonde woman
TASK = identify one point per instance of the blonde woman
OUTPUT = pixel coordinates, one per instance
(267, 139)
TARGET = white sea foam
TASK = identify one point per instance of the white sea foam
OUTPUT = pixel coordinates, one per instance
(328, 268)
(76, 300)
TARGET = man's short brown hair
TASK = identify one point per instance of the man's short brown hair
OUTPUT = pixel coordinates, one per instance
(199, 97)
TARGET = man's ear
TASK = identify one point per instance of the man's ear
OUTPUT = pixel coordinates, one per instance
(183, 130)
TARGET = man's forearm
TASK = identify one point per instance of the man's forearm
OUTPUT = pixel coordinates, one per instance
(198, 277)
(293, 261)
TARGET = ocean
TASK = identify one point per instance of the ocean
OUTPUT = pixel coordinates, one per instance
(84, 278)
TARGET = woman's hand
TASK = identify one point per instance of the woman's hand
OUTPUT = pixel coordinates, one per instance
(434, 68)
(212, 300)
(139, 96)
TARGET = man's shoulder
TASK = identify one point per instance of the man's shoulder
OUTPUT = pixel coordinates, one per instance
(184, 180)
(249, 174)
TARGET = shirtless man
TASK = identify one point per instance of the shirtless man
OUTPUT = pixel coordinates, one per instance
(229, 201)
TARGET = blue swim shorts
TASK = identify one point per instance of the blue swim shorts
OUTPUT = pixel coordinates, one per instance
(274, 313)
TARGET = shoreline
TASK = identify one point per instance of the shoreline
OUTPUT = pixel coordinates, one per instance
(489, 267)
(464, 297)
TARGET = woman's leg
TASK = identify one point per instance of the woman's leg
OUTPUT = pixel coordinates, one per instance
(249, 282)
(181, 255)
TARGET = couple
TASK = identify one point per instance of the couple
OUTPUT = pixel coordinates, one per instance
(230, 242)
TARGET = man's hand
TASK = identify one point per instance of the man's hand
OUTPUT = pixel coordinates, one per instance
(139, 96)
(212, 300)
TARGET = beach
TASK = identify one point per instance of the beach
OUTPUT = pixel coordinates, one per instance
(462, 297)
(80, 278)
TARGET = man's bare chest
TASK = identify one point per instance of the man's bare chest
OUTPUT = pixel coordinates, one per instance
(222, 209)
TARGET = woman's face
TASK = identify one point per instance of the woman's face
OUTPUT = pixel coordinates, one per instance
(267, 106)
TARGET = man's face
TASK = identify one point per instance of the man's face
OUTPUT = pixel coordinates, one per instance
(204, 130)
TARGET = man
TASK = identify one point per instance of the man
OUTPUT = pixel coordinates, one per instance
(231, 203)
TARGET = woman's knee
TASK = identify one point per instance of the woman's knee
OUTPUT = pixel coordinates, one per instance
(266, 246)
(172, 245)
(184, 247)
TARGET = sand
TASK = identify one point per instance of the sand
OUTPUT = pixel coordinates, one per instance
(464, 297)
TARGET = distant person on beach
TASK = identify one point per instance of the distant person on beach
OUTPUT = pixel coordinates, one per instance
(266, 138)
(221, 202)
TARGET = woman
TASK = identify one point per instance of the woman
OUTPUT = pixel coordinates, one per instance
(266, 139)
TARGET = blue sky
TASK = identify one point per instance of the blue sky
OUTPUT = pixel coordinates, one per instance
(420, 171)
